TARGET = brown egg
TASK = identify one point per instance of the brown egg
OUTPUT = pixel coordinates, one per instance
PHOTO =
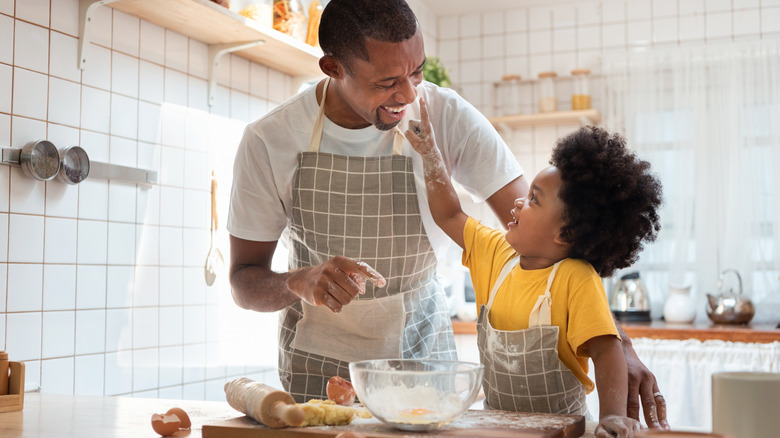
(341, 391)
(166, 424)
(183, 417)
(350, 435)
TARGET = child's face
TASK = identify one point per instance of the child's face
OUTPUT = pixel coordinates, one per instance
(539, 218)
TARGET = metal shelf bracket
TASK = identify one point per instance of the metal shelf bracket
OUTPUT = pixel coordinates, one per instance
(215, 52)
(86, 13)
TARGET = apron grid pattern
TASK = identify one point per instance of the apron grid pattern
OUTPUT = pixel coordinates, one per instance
(522, 369)
(365, 208)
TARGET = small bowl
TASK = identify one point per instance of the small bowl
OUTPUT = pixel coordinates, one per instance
(74, 164)
(39, 160)
(416, 394)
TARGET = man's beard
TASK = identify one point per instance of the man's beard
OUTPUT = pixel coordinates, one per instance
(380, 125)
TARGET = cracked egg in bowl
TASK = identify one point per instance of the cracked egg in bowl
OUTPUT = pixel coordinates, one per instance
(416, 394)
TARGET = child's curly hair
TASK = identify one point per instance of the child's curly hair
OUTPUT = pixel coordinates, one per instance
(611, 199)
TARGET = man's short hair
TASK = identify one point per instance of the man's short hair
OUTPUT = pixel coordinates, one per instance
(346, 25)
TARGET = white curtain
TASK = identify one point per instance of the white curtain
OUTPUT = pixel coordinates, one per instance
(708, 119)
(684, 372)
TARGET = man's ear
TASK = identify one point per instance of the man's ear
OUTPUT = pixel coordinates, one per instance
(331, 67)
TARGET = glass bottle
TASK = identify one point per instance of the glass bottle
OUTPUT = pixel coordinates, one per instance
(580, 100)
(546, 92)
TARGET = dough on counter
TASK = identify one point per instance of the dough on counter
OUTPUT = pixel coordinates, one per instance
(328, 413)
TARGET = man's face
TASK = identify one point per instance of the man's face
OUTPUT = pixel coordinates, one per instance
(378, 90)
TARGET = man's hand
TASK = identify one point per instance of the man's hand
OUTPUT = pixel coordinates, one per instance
(334, 283)
(643, 387)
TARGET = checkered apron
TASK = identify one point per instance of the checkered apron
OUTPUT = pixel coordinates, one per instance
(522, 369)
(365, 208)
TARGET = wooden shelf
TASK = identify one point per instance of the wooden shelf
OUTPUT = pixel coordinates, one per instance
(212, 24)
(579, 117)
(758, 333)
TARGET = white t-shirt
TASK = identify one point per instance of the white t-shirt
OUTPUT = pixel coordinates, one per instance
(266, 160)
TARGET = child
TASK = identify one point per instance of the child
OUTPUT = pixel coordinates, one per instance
(543, 309)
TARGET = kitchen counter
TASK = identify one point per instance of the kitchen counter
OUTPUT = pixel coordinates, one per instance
(50, 416)
(703, 331)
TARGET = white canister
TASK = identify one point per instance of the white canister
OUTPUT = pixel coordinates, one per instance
(679, 307)
(746, 404)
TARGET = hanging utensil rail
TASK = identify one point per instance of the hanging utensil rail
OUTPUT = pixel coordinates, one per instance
(11, 156)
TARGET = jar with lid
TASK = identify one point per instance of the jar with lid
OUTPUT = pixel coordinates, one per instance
(289, 18)
(546, 92)
(506, 95)
(258, 10)
(580, 99)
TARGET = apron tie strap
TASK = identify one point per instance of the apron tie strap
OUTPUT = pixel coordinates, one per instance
(398, 141)
(540, 314)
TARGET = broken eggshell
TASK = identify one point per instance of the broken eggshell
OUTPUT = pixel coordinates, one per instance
(165, 424)
(183, 417)
(340, 391)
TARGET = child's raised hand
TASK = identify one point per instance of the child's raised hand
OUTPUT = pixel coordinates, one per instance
(420, 132)
(617, 426)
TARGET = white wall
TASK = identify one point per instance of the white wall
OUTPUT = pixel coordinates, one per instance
(480, 48)
(102, 287)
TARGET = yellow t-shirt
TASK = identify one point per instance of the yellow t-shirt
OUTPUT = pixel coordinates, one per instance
(579, 304)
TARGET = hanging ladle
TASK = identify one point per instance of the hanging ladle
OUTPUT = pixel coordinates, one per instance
(214, 259)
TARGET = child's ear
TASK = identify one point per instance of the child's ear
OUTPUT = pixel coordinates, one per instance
(559, 240)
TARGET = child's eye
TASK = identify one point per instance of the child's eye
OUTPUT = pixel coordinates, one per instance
(532, 197)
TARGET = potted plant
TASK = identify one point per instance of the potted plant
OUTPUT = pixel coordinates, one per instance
(434, 71)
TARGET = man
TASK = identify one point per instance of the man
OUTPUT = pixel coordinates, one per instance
(331, 166)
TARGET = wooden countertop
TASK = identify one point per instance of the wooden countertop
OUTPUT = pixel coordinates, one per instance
(59, 416)
(703, 331)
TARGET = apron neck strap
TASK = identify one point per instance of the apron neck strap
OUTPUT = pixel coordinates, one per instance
(540, 314)
(319, 125)
(501, 277)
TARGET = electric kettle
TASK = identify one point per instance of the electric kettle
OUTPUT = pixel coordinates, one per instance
(629, 301)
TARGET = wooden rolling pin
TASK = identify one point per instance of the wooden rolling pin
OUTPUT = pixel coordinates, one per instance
(270, 406)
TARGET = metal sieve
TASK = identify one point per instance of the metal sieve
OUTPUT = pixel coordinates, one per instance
(74, 163)
(40, 160)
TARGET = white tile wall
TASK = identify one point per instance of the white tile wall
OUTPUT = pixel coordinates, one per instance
(578, 34)
(101, 284)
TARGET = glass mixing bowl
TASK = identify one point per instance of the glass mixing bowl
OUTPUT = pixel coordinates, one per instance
(416, 394)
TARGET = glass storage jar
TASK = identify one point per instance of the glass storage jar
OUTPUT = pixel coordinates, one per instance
(546, 92)
(580, 99)
(258, 10)
(289, 18)
(506, 95)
